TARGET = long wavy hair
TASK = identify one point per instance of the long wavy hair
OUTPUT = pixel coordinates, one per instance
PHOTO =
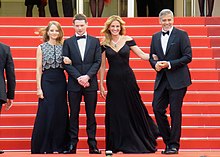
(44, 32)
(106, 31)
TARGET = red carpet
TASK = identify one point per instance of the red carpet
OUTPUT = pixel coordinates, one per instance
(201, 109)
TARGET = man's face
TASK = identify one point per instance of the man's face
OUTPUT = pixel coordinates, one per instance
(80, 26)
(167, 22)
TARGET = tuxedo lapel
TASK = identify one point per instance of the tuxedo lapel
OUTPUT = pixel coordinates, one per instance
(76, 47)
(171, 38)
(159, 44)
(88, 42)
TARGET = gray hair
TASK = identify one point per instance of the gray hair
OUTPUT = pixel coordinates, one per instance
(165, 12)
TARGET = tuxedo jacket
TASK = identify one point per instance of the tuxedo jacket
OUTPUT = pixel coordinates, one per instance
(178, 53)
(7, 67)
(89, 66)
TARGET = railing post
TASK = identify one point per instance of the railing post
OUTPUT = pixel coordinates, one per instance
(130, 8)
(79, 6)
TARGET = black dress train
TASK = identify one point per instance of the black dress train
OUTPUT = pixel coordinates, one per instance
(129, 128)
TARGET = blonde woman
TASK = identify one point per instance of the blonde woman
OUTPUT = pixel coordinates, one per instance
(51, 123)
(129, 128)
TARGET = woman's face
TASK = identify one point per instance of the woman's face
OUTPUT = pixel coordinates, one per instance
(115, 28)
(53, 32)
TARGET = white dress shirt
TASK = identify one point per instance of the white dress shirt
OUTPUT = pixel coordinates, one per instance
(82, 45)
(164, 40)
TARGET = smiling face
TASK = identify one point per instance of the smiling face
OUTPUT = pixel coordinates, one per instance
(115, 28)
(80, 26)
(53, 32)
(166, 21)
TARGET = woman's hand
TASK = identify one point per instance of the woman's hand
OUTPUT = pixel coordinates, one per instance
(40, 94)
(102, 91)
(155, 57)
(66, 60)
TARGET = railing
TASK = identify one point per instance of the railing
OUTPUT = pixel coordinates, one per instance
(130, 9)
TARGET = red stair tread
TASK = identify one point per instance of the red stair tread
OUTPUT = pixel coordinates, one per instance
(206, 96)
(148, 74)
(188, 108)
(132, 31)
(39, 21)
(82, 144)
(26, 132)
(134, 63)
(147, 85)
(141, 41)
(187, 120)
(30, 52)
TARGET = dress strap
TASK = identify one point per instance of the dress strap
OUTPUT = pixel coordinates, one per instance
(131, 43)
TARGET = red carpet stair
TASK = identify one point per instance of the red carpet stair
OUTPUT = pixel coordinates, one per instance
(201, 109)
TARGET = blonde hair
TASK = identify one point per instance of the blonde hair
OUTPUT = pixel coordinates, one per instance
(107, 33)
(44, 32)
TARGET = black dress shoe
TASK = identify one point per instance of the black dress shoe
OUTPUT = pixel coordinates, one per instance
(70, 150)
(170, 151)
(164, 151)
(94, 151)
(1, 151)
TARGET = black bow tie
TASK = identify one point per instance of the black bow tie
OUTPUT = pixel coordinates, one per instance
(167, 32)
(80, 37)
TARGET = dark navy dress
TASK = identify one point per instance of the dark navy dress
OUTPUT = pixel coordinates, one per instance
(52, 121)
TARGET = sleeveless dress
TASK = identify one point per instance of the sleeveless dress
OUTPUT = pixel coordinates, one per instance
(129, 128)
(52, 121)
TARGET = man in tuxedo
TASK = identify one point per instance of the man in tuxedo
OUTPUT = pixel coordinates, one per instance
(6, 69)
(173, 48)
(85, 54)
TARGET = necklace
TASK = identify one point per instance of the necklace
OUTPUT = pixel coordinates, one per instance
(115, 43)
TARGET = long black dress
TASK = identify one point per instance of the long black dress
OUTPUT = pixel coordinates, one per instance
(52, 121)
(129, 128)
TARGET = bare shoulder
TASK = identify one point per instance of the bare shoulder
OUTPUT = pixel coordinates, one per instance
(127, 38)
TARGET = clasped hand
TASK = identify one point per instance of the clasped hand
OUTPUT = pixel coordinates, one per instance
(161, 65)
(84, 81)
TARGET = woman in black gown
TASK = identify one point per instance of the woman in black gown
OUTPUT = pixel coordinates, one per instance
(50, 128)
(129, 128)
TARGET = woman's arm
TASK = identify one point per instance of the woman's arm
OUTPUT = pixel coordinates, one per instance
(102, 74)
(39, 72)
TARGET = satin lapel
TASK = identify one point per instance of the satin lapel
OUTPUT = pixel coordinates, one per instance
(171, 38)
(88, 42)
(76, 47)
(159, 44)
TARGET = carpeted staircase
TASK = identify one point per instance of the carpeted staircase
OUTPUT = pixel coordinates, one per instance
(201, 109)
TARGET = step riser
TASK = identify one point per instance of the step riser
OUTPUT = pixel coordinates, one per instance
(100, 109)
(82, 144)
(186, 120)
(144, 86)
(186, 132)
(146, 97)
(141, 41)
(148, 74)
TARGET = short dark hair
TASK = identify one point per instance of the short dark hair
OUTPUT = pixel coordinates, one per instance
(80, 17)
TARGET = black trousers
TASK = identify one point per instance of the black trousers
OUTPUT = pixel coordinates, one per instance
(67, 8)
(163, 96)
(90, 99)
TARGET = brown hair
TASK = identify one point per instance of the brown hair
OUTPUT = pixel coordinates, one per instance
(80, 17)
(44, 32)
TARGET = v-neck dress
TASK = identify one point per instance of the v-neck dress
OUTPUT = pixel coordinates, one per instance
(129, 128)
